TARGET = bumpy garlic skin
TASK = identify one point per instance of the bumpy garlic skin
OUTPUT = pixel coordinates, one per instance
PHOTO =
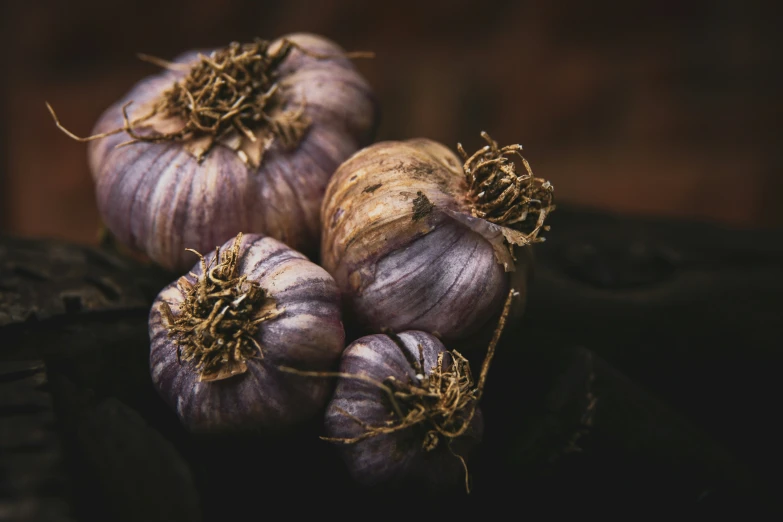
(157, 198)
(400, 241)
(396, 459)
(308, 335)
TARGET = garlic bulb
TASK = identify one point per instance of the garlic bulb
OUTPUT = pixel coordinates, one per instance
(417, 239)
(219, 333)
(404, 412)
(244, 138)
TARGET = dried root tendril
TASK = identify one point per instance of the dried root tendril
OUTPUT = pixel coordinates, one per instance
(216, 324)
(444, 402)
(438, 400)
(501, 195)
(230, 95)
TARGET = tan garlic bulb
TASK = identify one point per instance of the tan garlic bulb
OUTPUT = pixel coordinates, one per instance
(418, 239)
(242, 138)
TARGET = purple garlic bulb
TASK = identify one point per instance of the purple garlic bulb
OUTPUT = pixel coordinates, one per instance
(404, 412)
(417, 239)
(243, 138)
(219, 334)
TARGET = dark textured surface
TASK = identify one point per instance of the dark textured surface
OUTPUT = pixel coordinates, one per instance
(33, 479)
(690, 311)
(122, 468)
(642, 377)
(42, 280)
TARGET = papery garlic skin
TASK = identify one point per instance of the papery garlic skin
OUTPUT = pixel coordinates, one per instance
(308, 335)
(396, 459)
(400, 241)
(157, 198)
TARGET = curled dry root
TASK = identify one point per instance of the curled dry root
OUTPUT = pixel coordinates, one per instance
(233, 89)
(439, 399)
(230, 97)
(502, 196)
(216, 324)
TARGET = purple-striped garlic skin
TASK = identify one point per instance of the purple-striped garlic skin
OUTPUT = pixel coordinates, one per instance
(159, 199)
(308, 335)
(396, 459)
(400, 241)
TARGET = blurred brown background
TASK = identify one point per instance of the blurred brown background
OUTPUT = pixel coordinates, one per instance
(656, 108)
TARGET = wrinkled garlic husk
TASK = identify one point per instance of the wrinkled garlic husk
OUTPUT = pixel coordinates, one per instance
(405, 250)
(157, 198)
(308, 334)
(399, 458)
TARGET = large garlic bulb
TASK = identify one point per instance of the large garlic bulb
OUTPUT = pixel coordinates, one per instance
(243, 138)
(418, 239)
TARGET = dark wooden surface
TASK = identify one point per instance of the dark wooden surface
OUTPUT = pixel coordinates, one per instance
(642, 377)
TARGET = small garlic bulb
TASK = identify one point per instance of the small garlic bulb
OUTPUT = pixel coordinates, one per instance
(417, 239)
(405, 412)
(219, 334)
(243, 138)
